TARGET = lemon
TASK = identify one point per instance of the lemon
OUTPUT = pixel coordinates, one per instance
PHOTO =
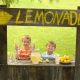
(61, 60)
(40, 61)
(65, 59)
(68, 61)
(47, 60)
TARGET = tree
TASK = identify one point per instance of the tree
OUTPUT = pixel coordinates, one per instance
(9, 2)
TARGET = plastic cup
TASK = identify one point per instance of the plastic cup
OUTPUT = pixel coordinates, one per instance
(57, 59)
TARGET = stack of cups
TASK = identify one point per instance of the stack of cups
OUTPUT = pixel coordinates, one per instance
(57, 59)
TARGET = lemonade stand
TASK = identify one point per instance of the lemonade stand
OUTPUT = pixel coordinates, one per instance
(33, 70)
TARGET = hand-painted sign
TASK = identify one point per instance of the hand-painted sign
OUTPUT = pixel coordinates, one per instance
(4, 17)
(39, 17)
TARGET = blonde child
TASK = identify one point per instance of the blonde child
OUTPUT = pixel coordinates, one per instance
(25, 51)
(50, 48)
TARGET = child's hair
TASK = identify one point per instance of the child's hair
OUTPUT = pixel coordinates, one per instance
(51, 42)
(27, 37)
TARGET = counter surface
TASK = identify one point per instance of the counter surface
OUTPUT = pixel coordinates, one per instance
(29, 63)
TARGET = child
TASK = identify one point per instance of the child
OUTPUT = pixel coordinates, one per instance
(49, 54)
(25, 52)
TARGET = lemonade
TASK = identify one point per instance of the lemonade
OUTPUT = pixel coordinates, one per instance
(35, 58)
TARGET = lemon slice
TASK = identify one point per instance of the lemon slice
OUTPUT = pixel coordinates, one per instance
(4, 17)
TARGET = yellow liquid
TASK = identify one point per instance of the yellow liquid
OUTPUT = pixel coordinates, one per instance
(35, 58)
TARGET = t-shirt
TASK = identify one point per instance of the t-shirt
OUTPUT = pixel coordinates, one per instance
(45, 55)
(24, 54)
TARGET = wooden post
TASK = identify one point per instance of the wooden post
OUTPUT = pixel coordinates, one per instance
(3, 43)
(3, 51)
(77, 64)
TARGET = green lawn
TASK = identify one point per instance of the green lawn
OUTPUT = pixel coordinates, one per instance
(65, 38)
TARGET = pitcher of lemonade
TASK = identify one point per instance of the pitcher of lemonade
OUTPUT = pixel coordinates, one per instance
(35, 57)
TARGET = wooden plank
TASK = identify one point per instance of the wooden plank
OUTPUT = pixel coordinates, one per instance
(3, 43)
(3, 72)
(78, 46)
(40, 73)
(39, 17)
(77, 66)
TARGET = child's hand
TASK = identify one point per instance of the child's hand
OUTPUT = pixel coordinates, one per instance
(16, 47)
(33, 47)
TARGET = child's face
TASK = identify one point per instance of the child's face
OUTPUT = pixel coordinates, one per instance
(50, 48)
(26, 42)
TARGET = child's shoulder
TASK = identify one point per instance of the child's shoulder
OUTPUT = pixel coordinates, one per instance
(44, 53)
(57, 55)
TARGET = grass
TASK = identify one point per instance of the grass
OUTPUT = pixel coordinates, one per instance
(65, 38)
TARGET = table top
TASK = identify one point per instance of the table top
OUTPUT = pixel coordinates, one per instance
(29, 63)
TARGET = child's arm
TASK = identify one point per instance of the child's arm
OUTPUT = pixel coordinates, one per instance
(16, 48)
(17, 51)
(33, 47)
(21, 54)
